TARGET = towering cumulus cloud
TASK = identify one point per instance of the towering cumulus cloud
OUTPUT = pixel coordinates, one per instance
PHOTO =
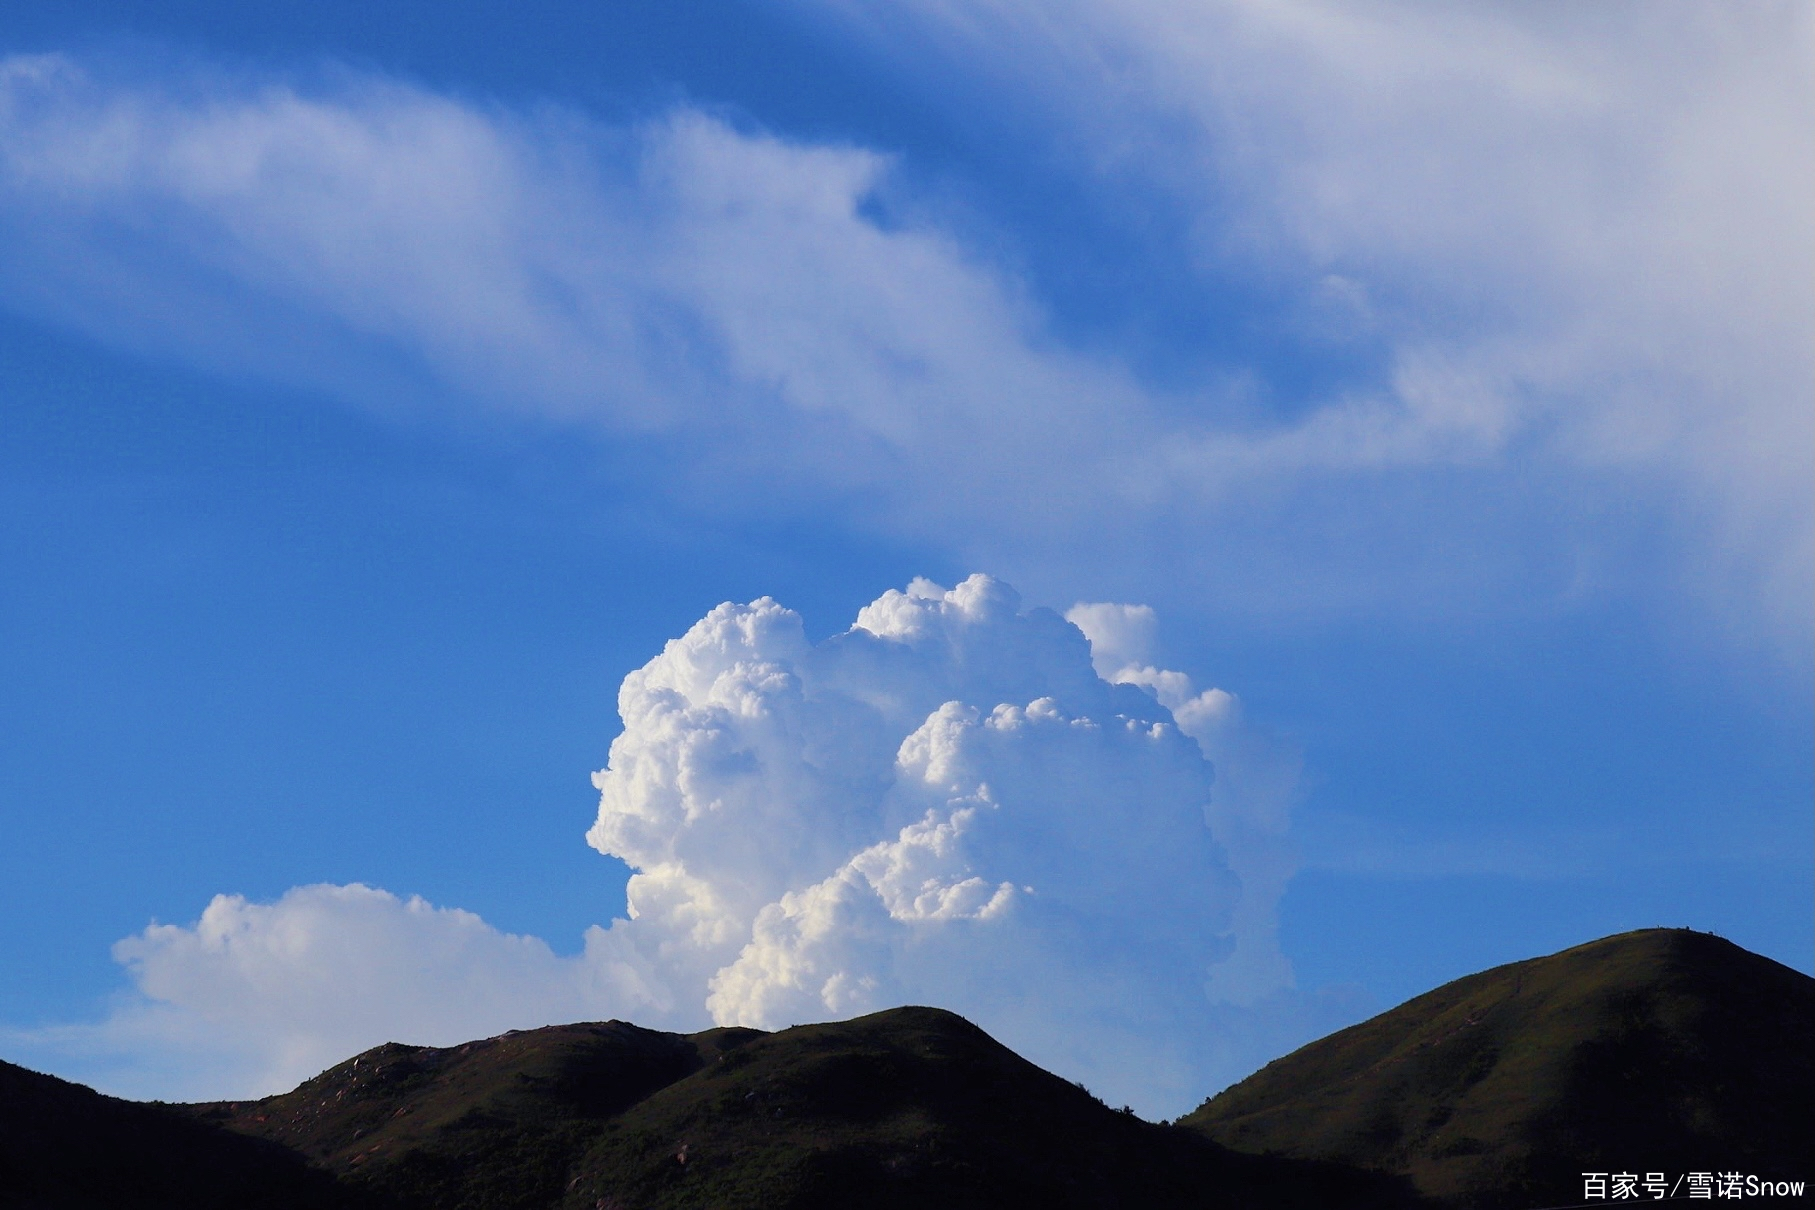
(943, 804)
(954, 802)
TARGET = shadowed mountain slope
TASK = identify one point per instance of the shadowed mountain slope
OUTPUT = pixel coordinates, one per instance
(1656, 1051)
(1660, 1051)
(917, 1107)
(493, 1123)
(912, 1107)
(64, 1146)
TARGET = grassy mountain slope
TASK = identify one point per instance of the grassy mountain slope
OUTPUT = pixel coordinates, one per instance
(1661, 1051)
(493, 1123)
(917, 1107)
(1656, 1051)
(65, 1146)
(910, 1107)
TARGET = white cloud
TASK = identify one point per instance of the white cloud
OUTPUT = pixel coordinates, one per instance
(255, 997)
(943, 804)
(677, 277)
(1580, 242)
(1581, 234)
(1257, 786)
(1581, 238)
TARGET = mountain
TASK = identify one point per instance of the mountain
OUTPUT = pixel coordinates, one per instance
(64, 1146)
(1659, 1051)
(1664, 1050)
(497, 1122)
(913, 1107)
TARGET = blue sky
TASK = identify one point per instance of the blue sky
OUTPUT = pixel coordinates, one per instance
(380, 391)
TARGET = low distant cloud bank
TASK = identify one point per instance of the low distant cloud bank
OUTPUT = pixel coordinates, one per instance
(254, 997)
(1551, 270)
(948, 803)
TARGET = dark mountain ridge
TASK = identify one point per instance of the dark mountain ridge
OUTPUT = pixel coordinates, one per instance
(911, 1107)
(492, 1122)
(1652, 1051)
(63, 1145)
(1664, 1050)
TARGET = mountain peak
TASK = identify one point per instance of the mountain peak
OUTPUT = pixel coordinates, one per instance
(1656, 1050)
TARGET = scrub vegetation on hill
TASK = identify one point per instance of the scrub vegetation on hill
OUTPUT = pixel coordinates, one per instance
(912, 1107)
(1662, 1050)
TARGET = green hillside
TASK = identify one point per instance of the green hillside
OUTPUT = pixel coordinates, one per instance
(1657, 1051)
(497, 1122)
(912, 1107)
(917, 1107)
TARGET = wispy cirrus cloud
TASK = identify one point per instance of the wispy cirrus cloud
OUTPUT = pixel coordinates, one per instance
(1581, 234)
(1582, 273)
(680, 277)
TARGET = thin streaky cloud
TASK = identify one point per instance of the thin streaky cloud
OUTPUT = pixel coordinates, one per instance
(726, 291)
